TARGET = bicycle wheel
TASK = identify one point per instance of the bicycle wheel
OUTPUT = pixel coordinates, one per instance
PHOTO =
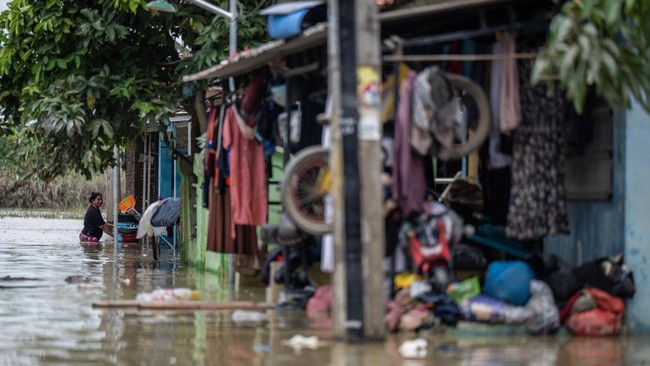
(473, 98)
(306, 182)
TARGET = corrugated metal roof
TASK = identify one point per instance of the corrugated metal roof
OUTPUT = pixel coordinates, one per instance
(259, 56)
(317, 35)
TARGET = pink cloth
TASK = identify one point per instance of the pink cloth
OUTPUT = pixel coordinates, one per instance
(509, 109)
(83, 238)
(408, 180)
(248, 198)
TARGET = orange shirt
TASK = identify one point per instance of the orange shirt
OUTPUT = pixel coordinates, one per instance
(248, 197)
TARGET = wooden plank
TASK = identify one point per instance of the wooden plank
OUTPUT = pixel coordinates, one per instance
(184, 305)
(117, 304)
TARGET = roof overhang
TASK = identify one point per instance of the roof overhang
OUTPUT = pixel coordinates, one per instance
(258, 57)
(317, 35)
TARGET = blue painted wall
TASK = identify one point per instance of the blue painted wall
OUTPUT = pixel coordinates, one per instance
(637, 215)
(165, 168)
(597, 228)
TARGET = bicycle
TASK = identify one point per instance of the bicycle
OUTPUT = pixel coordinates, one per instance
(307, 179)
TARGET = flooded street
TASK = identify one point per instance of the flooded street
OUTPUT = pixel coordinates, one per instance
(48, 321)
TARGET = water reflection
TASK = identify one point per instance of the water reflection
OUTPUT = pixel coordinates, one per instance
(48, 321)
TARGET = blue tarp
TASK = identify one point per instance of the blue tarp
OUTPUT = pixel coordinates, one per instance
(167, 213)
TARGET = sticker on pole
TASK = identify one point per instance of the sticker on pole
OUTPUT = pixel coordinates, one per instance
(368, 86)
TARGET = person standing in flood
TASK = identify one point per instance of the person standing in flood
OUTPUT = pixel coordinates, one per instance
(94, 224)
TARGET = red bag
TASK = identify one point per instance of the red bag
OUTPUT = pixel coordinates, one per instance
(605, 320)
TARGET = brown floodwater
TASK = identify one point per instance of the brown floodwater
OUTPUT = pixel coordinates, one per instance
(46, 320)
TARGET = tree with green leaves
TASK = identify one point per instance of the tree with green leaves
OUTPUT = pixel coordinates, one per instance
(603, 44)
(80, 77)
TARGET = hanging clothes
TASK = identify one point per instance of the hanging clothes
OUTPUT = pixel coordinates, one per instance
(210, 154)
(220, 223)
(247, 172)
(498, 160)
(388, 90)
(509, 109)
(408, 180)
(211, 142)
(538, 199)
(437, 114)
(310, 93)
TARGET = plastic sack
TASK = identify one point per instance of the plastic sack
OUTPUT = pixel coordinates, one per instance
(145, 227)
(509, 281)
(484, 309)
(557, 274)
(544, 316)
(167, 213)
(609, 274)
(295, 125)
(605, 320)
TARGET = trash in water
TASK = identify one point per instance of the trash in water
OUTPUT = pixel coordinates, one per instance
(172, 294)
(78, 279)
(262, 348)
(416, 348)
(241, 316)
(299, 342)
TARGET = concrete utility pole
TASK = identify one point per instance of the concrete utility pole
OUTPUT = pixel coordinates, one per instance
(356, 134)
(116, 195)
(370, 132)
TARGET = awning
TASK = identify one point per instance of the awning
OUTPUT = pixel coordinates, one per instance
(259, 56)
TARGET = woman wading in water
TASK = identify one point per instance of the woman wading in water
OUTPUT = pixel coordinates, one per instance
(94, 224)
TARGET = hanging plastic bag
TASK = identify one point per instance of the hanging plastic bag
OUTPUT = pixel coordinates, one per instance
(296, 121)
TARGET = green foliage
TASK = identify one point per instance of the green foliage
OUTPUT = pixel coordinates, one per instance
(209, 43)
(87, 78)
(77, 78)
(603, 43)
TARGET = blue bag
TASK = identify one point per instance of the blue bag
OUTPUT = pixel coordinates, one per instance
(286, 20)
(509, 281)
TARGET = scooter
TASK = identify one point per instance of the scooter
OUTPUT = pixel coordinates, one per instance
(429, 242)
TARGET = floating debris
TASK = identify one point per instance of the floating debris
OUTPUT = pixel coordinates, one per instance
(416, 348)
(9, 278)
(78, 279)
(299, 342)
(243, 316)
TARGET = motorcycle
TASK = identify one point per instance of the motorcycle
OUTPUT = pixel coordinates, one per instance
(428, 240)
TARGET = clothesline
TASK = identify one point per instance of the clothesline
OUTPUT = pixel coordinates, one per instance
(458, 57)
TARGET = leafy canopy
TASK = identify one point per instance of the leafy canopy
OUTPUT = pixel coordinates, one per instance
(601, 43)
(79, 77)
